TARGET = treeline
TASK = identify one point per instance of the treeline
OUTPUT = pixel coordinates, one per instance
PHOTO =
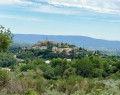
(49, 54)
(86, 67)
(14, 49)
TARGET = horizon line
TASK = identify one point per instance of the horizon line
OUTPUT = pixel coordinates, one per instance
(67, 35)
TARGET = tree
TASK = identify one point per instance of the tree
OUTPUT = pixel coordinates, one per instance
(83, 67)
(7, 59)
(6, 38)
(69, 72)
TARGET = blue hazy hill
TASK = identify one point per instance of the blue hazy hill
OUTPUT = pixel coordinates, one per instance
(80, 41)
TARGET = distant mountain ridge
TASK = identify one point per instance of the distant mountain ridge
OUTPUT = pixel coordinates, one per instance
(80, 41)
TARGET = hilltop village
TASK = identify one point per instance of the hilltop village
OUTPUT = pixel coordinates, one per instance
(55, 47)
(49, 49)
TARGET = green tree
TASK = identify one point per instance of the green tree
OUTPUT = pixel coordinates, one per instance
(96, 62)
(69, 72)
(83, 66)
(7, 59)
(6, 38)
(27, 67)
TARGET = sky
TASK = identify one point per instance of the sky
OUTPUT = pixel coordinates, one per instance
(94, 18)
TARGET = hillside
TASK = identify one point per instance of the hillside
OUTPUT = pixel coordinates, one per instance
(80, 41)
(48, 49)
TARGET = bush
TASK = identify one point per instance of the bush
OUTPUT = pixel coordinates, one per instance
(27, 67)
(31, 92)
(4, 78)
(53, 92)
(7, 59)
(68, 72)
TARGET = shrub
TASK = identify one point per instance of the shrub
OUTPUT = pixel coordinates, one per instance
(4, 78)
(53, 92)
(68, 72)
(31, 92)
(27, 67)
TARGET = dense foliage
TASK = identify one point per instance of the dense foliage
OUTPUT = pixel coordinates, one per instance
(91, 75)
(5, 38)
(15, 49)
(87, 67)
(7, 59)
(49, 54)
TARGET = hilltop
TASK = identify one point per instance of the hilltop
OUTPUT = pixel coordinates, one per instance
(48, 49)
(55, 47)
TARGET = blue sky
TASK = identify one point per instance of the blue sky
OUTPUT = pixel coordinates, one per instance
(94, 18)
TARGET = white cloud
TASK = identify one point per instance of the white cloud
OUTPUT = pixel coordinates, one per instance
(59, 6)
(54, 10)
(20, 18)
(102, 6)
(10, 2)
(38, 7)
